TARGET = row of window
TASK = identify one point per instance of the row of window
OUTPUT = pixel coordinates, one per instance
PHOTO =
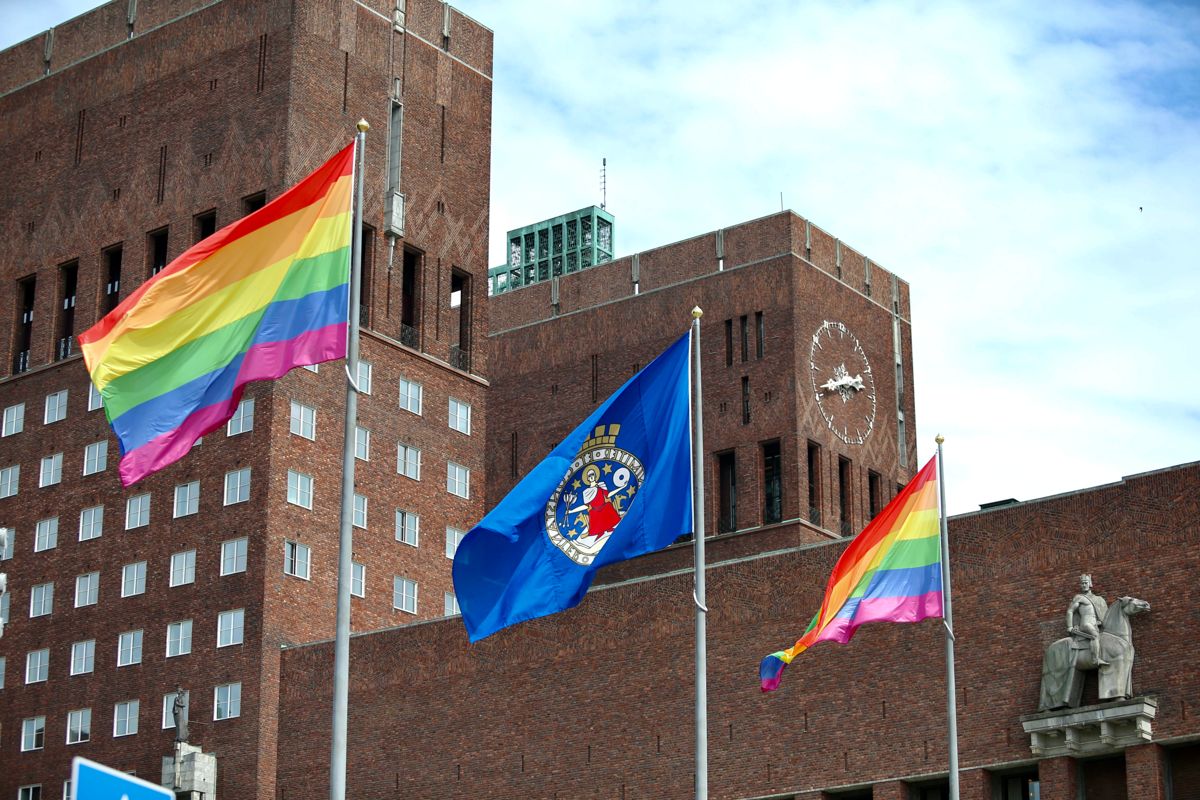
(13, 421)
(230, 631)
(95, 459)
(227, 704)
(300, 485)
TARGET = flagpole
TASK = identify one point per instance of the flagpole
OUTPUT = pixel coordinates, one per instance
(698, 541)
(948, 621)
(341, 641)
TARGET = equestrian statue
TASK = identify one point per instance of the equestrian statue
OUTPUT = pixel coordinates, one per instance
(1100, 638)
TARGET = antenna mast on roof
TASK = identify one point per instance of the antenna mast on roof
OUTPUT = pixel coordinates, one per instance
(603, 182)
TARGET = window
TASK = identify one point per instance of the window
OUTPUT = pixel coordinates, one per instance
(51, 470)
(814, 483)
(129, 648)
(33, 792)
(14, 420)
(56, 407)
(183, 568)
(303, 421)
(229, 627)
(745, 330)
(358, 580)
(6, 543)
(772, 482)
(237, 486)
(168, 709)
(66, 795)
(295, 559)
(758, 334)
(137, 511)
(460, 416)
(95, 400)
(727, 495)
(125, 718)
(33, 737)
(300, 489)
(454, 537)
(408, 527)
(233, 556)
(745, 400)
(95, 458)
(458, 480)
(41, 600)
(133, 579)
(45, 534)
(410, 395)
(87, 589)
(253, 202)
(205, 224)
(844, 496)
(156, 250)
(187, 499)
(450, 605)
(37, 665)
(79, 726)
(179, 638)
(362, 443)
(242, 420)
(10, 479)
(2, 669)
(91, 523)
(83, 657)
(408, 461)
(360, 511)
(875, 492)
(4, 607)
(364, 376)
(227, 701)
(404, 595)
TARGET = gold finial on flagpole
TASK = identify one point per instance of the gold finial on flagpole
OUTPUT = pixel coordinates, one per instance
(697, 312)
(363, 125)
(939, 438)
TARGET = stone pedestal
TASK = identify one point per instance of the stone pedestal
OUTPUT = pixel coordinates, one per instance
(197, 773)
(1091, 730)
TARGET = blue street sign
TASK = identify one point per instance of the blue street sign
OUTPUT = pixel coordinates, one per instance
(92, 781)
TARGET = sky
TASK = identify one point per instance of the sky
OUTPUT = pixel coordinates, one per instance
(1032, 169)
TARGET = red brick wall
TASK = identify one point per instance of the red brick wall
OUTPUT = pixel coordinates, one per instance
(514, 715)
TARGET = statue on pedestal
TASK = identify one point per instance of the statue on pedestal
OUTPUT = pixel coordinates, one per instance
(1099, 638)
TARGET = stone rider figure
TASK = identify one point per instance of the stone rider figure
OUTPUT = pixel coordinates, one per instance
(1085, 615)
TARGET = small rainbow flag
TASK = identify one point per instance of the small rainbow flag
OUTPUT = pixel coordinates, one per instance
(263, 295)
(891, 572)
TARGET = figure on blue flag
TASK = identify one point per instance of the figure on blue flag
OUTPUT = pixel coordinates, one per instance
(618, 486)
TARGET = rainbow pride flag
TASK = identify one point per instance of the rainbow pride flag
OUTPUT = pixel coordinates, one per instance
(891, 572)
(263, 295)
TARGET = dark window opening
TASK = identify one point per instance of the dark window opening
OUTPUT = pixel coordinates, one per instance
(409, 327)
(932, 791)
(772, 483)
(844, 497)
(460, 305)
(111, 260)
(758, 329)
(727, 492)
(745, 400)
(366, 276)
(68, 280)
(156, 250)
(254, 202)
(814, 483)
(205, 224)
(745, 338)
(875, 492)
(26, 292)
(514, 454)
(728, 342)
(1024, 786)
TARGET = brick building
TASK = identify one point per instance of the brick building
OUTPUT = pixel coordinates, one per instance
(128, 134)
(136, 129)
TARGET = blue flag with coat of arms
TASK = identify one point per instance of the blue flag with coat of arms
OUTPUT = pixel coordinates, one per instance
(618, 486)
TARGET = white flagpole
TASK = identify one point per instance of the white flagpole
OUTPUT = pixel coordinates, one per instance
(948, 621)
(698, 541)
(341, 641)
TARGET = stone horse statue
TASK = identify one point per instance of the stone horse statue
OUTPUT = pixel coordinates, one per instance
(1070, 657)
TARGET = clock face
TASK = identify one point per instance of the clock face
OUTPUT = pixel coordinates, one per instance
(842, 382)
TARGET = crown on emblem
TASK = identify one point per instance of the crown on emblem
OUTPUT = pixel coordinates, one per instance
(601, 439)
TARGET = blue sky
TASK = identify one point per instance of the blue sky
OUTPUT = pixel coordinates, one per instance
(1030, 167)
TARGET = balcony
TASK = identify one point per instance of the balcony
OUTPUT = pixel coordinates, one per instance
(409, 337)
(460, 358)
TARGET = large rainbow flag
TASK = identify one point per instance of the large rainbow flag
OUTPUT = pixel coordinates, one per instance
(891, 572)
(263, 295)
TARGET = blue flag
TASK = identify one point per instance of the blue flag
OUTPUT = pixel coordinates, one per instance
(618, 486)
